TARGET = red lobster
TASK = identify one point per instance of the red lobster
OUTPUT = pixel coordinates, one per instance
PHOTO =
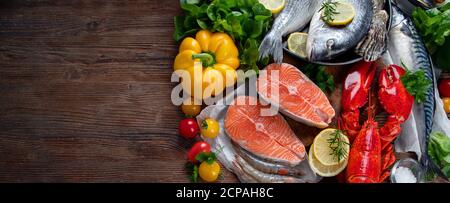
(372, 152)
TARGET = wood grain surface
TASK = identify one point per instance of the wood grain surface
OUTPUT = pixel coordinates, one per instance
(85, 92)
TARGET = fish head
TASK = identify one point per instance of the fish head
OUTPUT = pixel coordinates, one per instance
(397, 16)
(426, 4)
(322, 46)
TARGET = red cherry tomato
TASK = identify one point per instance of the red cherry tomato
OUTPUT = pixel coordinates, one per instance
(444, 87)
(188, 128)
(198, 148)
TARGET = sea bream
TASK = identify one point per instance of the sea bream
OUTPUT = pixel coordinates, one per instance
(295, 16)
(326, 42)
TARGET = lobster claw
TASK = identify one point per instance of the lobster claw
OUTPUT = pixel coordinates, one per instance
(354, 96)
(393, 96)
(357, 85)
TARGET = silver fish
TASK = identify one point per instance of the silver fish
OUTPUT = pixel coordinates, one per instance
(406, 48)
(243, 177)
(374, 44)
(326, 42)
(295, 16)
(268, 167)
(262, 177)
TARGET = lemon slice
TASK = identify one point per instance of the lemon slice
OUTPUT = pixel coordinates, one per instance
(322, 170)
(275, 6)
(322, 150)
(344, 16)
(297, 43)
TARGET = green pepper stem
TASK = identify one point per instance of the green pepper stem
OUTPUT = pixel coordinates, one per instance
(207, 59)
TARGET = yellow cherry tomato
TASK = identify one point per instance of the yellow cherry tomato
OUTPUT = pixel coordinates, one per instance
(446, 104)
(189, 108)
(210, 128)
(209, 172)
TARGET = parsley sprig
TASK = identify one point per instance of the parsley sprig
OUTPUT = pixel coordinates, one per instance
(417, 84)
(192, 169)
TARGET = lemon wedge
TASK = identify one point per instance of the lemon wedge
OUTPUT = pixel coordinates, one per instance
(322, 170)
(275, 6)
(344, 15)
(297, 43)
(323, 150)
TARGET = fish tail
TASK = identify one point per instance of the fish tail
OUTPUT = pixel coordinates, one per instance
(272, 45)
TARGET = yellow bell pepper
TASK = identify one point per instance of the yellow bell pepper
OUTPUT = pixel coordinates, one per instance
(219, 57)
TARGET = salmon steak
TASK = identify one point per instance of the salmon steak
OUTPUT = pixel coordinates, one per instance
(297, 96)
(267, 137)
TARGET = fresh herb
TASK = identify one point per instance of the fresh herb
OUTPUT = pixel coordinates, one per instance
(439, 151)
(246, 21)
(204, 125)
(329, 10)
(320, 77)
(338, 145)
(209, 157)
(434, 27)
(417, 84)
(192, 170)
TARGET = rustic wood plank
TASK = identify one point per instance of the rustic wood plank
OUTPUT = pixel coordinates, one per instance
(85, 91)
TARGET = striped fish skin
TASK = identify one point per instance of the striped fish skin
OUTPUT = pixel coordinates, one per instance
(406, 47)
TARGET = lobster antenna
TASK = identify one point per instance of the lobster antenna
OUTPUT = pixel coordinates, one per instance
(369, 108)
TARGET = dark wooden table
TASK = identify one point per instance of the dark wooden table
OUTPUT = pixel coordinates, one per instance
(85, 92)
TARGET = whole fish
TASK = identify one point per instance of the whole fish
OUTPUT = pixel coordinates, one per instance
(374, 43)
(262, 177)
(268, 167)
(295, 16)
(326, 42)
(406, 48)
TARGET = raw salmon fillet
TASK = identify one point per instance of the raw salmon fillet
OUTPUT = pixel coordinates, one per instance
(267, 137)
(299, 97)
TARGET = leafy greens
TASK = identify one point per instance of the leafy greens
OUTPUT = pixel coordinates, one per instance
(320, 77)
(246, 21)
(417, 84)
(434, 27)
(439, 151)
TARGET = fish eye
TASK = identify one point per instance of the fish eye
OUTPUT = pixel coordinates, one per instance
(330, 43)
